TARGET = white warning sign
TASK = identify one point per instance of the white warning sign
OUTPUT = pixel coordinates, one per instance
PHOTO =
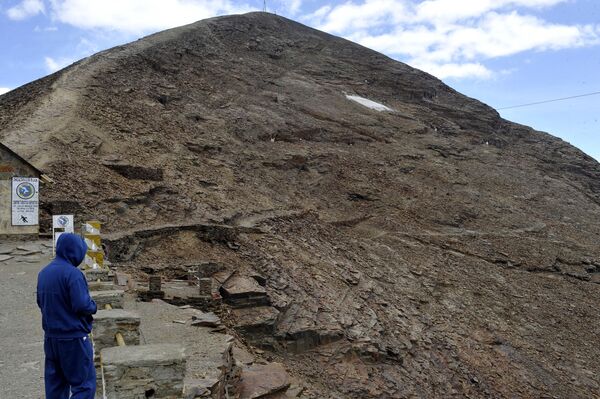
(25, 201)
(63, 223)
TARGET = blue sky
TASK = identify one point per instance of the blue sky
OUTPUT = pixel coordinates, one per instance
(502, 52)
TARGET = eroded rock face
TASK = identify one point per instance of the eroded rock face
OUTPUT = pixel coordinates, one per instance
(256, 324)
(429, 251)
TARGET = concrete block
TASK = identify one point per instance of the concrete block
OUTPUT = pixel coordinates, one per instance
(113, 298)
(97, 274)
(146, 371)
(101, 286)
(108, 322)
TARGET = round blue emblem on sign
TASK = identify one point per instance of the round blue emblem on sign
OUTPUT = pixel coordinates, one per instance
(63, 221)
(25, 190)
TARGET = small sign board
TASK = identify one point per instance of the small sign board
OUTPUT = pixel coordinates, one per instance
(25, 201)
(61, 224)
(64, 222)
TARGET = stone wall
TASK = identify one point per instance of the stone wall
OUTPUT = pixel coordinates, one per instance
(147, 371)
(109, 322)
(12, 166)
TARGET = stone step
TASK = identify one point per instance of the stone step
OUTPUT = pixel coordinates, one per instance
(108, 322)
(113, 298)
(98, 274)
(144, 371)
(101, 286)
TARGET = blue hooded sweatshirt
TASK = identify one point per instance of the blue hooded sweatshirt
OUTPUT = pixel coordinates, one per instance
(62, 292)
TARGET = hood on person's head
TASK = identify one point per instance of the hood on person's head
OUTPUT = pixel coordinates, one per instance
(71, 248)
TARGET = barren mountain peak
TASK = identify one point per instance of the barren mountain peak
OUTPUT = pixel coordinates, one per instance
(412, 243)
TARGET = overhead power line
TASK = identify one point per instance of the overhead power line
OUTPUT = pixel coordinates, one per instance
(551, 101)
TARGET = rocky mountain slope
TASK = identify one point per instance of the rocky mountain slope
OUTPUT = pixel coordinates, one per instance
(430, 250)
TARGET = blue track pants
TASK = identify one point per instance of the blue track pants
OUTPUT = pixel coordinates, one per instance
(69, 368)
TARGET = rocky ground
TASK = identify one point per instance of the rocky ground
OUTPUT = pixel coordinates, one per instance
(215, 361)
(432, 250)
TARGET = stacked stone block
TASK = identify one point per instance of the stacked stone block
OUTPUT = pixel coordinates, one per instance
(155, 371)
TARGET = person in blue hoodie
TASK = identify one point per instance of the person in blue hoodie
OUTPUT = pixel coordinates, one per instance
(67, 309)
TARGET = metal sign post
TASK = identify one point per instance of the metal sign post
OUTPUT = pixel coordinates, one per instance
(61, 224)
(25, 201)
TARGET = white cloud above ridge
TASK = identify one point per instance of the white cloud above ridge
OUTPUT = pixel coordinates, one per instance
(294, 6)
(448, 39)
(53, 65)
(26, 9)
(4, 90)
(139, 16)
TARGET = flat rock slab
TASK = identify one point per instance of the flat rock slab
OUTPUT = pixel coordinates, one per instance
(260, 380)
(144, 355)
(201, 388)
(240, 286)
(101, 286)
(206, 320)
(131, 372)
(97, 274)
(113, 298)
(242, 291)
(116, 315)
(255, 317)
(4, 249)
(4, 258)
(242, 356)
(31, 259)
(25, 247)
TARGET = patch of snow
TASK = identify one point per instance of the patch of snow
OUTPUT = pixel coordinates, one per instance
(368, 103)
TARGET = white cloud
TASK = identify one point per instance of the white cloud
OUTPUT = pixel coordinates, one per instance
(295, 6)
(139, 16)
(53, 65)
(370, 13)
(4, 90)
(451, 38)
(26, 9)
(451, 10)
(455, 70)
